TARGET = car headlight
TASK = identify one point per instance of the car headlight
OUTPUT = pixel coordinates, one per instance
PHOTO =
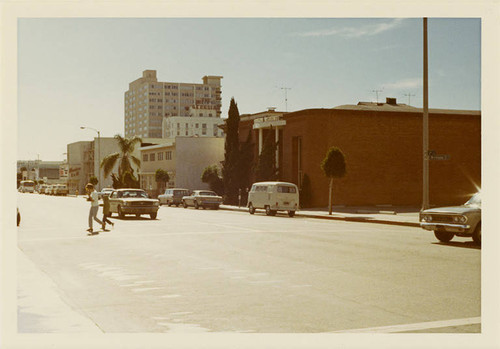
(426, 218)
(460, 219)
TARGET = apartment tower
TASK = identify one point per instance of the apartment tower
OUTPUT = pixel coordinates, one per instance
(148, 102)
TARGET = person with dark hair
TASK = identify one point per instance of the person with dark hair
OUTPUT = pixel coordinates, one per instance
(93, 197)
(105, 212)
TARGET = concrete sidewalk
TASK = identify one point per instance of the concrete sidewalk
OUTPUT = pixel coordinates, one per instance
(405, 216)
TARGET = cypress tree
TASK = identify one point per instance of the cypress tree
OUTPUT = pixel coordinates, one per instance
(231, 155)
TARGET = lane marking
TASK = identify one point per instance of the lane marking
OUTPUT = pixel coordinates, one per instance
(146, 289)
(416, 326)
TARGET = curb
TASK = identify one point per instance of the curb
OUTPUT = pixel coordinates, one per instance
(341, 218)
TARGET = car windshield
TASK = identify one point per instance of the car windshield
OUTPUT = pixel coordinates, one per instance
(207, 193)
(134, 194)
(474, 201)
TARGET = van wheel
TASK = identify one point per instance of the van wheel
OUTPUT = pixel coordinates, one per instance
(443, 236)
(184, 204)
(476, 236)
(270, 212)
(291, 213)
(251, 209)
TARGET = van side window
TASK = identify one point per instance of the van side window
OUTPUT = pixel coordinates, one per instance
(286, 189)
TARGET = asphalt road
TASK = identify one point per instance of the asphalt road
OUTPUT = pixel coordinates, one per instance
(225, 271)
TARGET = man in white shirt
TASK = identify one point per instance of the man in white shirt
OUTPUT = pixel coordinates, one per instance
(94, 207)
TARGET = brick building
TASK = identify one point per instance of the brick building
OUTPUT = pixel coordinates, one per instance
(382, 143)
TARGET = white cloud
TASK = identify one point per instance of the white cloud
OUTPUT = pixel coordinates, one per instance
(404, 84)
(356, 32)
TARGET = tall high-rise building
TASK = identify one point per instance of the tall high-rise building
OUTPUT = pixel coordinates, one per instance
(148, 101)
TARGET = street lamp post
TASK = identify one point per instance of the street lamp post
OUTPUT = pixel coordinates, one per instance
(425, 194)
(98, 154)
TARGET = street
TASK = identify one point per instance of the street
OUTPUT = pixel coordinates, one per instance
(226, 271)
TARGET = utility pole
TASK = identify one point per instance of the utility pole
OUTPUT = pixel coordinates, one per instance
(377, 91)
(425, 184)
(409, 97)
(286, 99)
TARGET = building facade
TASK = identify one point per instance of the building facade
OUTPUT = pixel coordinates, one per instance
(202, 122)
(184, 158)
(148, 101)
(382, 144)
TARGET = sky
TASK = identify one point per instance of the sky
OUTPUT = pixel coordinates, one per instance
(74, 72)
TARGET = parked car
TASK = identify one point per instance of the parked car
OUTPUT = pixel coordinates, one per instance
(60, 189)
(49, 189)
(202, 198)
(105, 191)
(173, 196)
(273, 197)
(446, 222)
(132, 201)
(42, 189)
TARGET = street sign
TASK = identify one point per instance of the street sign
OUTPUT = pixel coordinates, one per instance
(433, 156)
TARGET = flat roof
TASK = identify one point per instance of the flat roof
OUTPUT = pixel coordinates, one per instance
(369, 106)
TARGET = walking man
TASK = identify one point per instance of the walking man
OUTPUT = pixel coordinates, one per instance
(105, 212)
(94, 207)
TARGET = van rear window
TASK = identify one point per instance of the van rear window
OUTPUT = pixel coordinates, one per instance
(286, 189)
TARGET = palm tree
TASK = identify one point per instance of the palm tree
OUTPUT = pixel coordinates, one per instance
(127, 146)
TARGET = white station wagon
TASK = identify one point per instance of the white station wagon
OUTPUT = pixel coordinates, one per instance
(273, 197)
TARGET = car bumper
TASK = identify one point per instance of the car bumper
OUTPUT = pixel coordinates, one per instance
(454, 228)
(139, 210)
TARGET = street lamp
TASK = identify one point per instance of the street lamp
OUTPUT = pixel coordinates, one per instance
(98, 154)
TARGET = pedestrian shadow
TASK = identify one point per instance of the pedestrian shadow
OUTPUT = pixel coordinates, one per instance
(133, 218)
(464, 244)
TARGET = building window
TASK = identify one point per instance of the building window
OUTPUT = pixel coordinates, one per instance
(152, 157)
(144, 157)
(160, 156)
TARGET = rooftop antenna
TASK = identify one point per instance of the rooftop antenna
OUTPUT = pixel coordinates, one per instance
(377, 91)
(409, 97)
(286, 99)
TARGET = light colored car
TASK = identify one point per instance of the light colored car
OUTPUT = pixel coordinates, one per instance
(49, 190)
(203, 199)
(446, 222)
(132, 201)
(173, 196)
(105, 191)
(273, 197)
(60, 189)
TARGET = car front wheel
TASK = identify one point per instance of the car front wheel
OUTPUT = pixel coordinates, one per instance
(476, 236)
(291, 213)
(443, 236)
(120, 213)
(196, 206)
(184, 204)
(251, 209)
(153, 215)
